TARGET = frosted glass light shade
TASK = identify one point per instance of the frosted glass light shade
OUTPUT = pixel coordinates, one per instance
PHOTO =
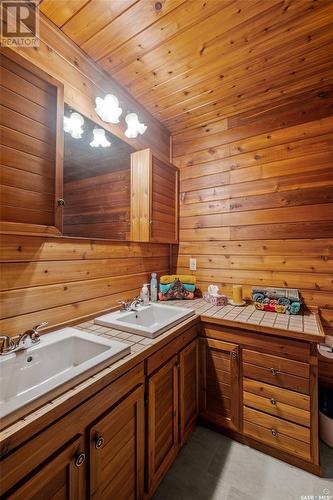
(134, 127)
(99, 139)
(108, 109)
(73, 125)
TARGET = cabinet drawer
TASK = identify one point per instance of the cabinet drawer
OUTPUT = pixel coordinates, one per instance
(156, 360)
(278, 433)
(277, 371)
(279, 402)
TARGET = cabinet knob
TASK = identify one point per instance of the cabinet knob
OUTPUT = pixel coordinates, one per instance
(99, 441)
(274, 432)
(274, 371)
(273, 401)
(61, 202)
(80, 458)
(234, 354)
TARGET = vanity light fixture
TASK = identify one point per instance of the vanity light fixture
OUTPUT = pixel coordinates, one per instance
(99, 139)
(108, 109)
(73, 125)
(134, 127)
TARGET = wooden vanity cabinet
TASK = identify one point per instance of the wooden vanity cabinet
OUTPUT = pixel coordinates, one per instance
(172, 403)
(94, 451)
(154, 199)
(188, 389)
(117, 451)
(62, 478)
(163, 407)
(220, 383)
(262, 390)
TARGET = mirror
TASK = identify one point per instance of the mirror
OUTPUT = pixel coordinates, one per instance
(97, 184)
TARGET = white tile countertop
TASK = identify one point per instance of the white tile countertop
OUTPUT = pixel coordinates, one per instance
(307, 323)
(304, 326)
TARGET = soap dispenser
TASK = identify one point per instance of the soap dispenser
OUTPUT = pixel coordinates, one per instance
(144, 295)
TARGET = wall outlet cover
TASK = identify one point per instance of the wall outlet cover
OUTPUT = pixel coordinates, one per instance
(193, 264)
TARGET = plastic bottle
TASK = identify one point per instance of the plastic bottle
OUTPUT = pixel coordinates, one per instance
(144, 295)
(153, 288)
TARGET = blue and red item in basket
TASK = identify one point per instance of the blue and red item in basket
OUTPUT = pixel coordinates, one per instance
(279, 300)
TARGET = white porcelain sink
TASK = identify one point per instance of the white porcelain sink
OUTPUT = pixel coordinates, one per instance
(148, 321)
(58, 358)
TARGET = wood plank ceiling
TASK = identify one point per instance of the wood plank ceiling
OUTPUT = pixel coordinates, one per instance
(194, 61)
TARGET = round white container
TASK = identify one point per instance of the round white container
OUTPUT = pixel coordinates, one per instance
(326, 429)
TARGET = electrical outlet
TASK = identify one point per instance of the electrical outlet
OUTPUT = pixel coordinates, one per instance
(193, 264)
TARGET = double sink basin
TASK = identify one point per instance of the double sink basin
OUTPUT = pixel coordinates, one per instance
(69, 355)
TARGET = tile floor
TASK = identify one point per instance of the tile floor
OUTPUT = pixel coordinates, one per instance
(212, 467)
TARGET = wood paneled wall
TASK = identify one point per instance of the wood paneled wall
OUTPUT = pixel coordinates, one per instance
(257, 198)
(59, 279)
(62, 279)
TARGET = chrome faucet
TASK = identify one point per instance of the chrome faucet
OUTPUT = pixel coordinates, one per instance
(130, 305)
(23, 341)
(135, 303)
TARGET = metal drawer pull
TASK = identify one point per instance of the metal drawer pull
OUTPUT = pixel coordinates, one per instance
(79, 459)
(274, 432)
(99, 441)
(274, 371)
(273, 401)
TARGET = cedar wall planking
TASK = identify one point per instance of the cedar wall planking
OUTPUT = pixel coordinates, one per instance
(257, 199)
(63, 279)
(60, 279)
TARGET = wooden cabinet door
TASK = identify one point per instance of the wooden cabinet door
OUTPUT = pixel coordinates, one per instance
(117, 451)
(31, 147)
(164, 203)
(154, 199)
(188, 388)
(162, 422)
(220, 383)
(63, 477)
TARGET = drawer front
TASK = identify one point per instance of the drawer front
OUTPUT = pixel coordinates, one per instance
(277, 346)
(283, 365)
(278, 402)
(277, 371)
(156, 360)
(275, 432)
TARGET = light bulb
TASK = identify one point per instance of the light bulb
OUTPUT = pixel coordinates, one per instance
(73, 125)
(99, 139)
(108, 109)
(134, 127)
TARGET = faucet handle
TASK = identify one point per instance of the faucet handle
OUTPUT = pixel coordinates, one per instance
(40, 326)
(6, 344)
(35, 330)
(124, 304)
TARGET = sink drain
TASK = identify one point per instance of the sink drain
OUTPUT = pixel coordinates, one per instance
(29, 358)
